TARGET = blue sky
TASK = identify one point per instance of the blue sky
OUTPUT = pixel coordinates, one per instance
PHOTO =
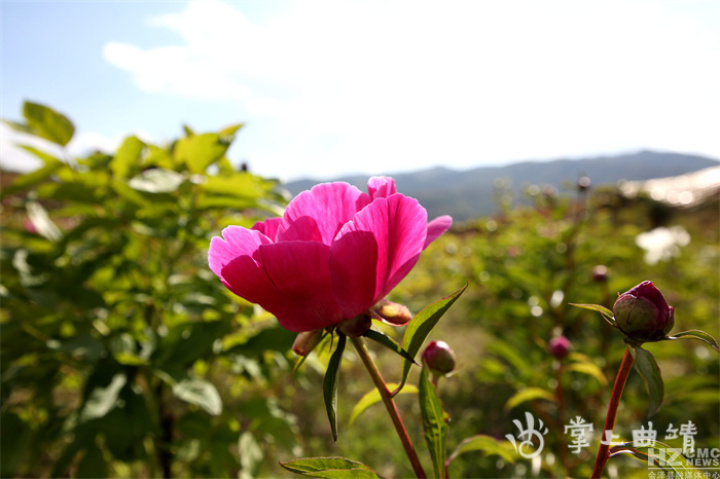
(333, 87)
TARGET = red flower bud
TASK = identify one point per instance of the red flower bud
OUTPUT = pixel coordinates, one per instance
(600, 273)
(559, 346)
(643, 314)
(439, 357)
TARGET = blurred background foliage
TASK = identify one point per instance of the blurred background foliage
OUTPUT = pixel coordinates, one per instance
(124, 356)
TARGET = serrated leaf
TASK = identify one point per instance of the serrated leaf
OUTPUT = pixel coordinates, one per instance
(647, 367)
(48, 123)
(434, 422)
(200, 151)
(373, 397)
(127, 157)
(697, 334)
(330, 384)
(487, 444)
(388, 342)
(199, 392)
(606, 313)
(528, 394)
(330, 467)
(657, 456)
(421, 326)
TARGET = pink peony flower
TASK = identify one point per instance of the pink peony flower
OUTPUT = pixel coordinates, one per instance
(335, 253)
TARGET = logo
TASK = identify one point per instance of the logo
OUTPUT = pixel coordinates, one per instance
(531, 440)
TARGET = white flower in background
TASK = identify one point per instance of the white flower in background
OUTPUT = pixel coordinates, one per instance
(662, 243)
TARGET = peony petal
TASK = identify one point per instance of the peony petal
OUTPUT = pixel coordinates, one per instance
(376, 250)
(269, 227)
(302, 299)
(234, 260)
(318, 214)
(236, 241)
(381, 187)
(436, 228)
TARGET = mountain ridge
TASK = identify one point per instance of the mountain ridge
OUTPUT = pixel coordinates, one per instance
(465, 194)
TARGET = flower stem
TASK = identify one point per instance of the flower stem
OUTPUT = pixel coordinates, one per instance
(377, 378)
(620, 380)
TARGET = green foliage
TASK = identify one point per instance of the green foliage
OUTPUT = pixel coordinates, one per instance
(646, 365)
(330, 385)
(330, 467)
(122, 354)
(434, 422)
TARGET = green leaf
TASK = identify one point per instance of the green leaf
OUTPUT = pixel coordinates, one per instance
(330, 384)
(590, 369)
(421, 326)
(31, 179)
(157, 180)
(199, 392)
(92, 464)
(103, 399)
(487, 444)
(127, 157)
(200, 151)
(658, 456)
(47, 123)
(389, 343)
(697, 334)
(373, 397)
(42, 222)
(330, 467)
(21, 127)
(647, 367)
(606, 313)
(434, 422)
(229, 131)
(529, 394)
(251, 456)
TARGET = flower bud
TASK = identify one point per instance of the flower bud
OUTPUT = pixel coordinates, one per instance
(600, 273)
(356, 326)
(392, 313)
(439, 357)
(642, 313)
(559, 346)
(583, 183)
(306, 342)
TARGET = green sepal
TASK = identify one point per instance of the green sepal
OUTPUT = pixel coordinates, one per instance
(697, 334)
(606, 313)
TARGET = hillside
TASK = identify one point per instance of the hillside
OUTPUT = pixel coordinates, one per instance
(466, 194)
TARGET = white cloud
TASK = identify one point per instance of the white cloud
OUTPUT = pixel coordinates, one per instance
(401, 85)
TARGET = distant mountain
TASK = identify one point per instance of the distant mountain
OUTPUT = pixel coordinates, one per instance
(465, 194)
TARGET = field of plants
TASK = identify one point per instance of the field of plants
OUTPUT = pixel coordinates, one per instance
(123, 354)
